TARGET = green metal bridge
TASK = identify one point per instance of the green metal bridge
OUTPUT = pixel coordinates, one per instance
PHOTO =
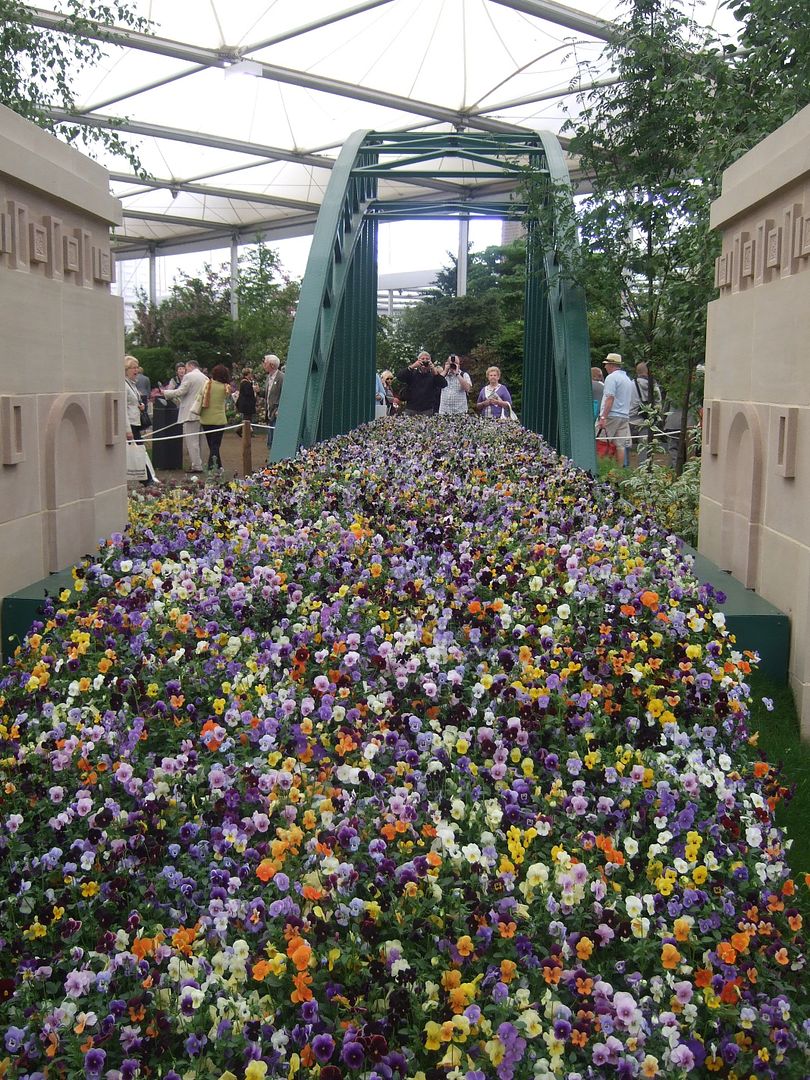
(329, 379)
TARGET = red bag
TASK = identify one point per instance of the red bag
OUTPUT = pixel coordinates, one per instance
(605, 449)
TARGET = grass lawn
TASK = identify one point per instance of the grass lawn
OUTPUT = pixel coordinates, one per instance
(780, 741)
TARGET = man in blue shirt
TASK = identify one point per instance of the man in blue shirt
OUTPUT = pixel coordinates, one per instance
(613, 421)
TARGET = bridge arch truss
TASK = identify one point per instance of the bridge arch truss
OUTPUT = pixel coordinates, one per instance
(329, 380)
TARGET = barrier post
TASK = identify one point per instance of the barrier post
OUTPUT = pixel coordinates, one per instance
(247, 449)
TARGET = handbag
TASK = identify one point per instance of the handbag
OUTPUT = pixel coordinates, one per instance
(136, 462)
(199, 401)
(206, 396)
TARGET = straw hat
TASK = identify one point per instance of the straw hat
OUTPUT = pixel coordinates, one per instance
(614, 358)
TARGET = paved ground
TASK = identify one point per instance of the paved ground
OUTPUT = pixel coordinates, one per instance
(231, 458)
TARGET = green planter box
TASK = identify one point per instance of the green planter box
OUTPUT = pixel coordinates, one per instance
(755, 623)
(22, 608)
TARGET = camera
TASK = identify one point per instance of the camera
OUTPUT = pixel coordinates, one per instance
(453, 361)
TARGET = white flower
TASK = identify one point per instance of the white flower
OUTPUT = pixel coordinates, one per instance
(631, 846)
(633, 906)
(564, 611)
(241, 949)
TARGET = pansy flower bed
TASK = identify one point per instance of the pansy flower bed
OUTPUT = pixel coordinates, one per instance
(410, 758)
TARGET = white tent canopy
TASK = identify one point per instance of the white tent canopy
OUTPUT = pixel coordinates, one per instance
(238, 108)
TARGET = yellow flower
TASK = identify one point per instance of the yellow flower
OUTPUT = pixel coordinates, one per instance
(433, 1035)
(90, 888)
(256, 1070)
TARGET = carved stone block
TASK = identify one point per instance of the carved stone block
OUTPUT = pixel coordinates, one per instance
(748, 249)
(722, 270)
(711, 427)
(18, 258)
(84, 275)
(787, 426)
(5, 234)
(804, 251)
(739, 280)
(71, 254)
(38, 243)
(773, 245)
(11, 430)
(55, 266)
(792, 239)
(113, 413)
(102, 265)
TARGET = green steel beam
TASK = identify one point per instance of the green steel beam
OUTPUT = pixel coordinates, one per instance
(329, 382)
(315, 330)
(569, 332)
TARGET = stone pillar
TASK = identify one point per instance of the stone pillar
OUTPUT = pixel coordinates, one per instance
(755, 469)
(62, 473)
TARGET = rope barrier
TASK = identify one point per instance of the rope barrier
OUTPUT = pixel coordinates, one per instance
(210, 431)
(655, 435)
(271, 427)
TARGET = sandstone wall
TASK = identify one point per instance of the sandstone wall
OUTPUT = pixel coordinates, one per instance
(755, 472)
(62, 475)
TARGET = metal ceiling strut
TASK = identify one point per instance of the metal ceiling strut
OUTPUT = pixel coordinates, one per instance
(329, 380)
(225, 57)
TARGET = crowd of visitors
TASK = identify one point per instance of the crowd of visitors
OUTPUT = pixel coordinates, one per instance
(628, 412)
(633, 413)
(429, 389)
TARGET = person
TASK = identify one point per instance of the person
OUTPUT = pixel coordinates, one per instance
(177, 378)
(134, 409)
(673, 419)
(212, 414)
(597, 389)
(613, 421)
(494, 400)
(424, 383)
(144, 384)
(453, 398)
(388, 386)
(246, 397)
(380, 408)
(645, 409)
(134, 404)
(272, 393)
(189, 393)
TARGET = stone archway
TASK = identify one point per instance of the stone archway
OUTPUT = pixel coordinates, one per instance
(69, 518)
(742, 495)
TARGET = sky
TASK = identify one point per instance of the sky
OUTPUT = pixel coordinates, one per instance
(402, 246)
(456, 52)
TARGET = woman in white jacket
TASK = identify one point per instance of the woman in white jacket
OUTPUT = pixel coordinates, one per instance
(134, 412)
(134, 405)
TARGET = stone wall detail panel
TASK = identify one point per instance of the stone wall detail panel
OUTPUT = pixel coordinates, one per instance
(755, 469)
(12, 447)
(62, 468)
